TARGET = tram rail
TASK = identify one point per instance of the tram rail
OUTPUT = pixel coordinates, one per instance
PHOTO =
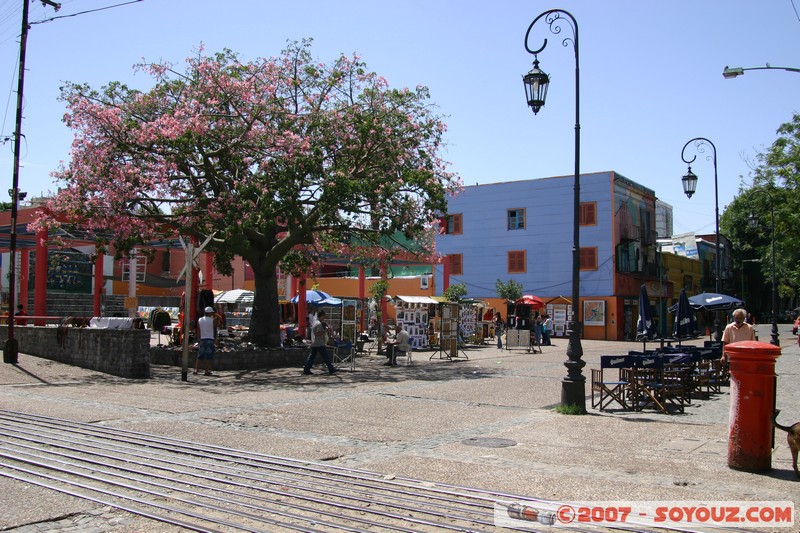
(202, 487)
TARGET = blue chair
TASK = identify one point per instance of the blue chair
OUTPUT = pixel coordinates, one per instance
(646, 384)
(611, 389)
(343, 354)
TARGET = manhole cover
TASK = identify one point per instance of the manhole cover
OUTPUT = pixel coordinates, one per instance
(487, 442)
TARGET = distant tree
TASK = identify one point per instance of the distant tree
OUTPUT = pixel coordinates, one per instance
(281, 159)
(455, 293)
(510, 290)
(775, 184)
(377, 292)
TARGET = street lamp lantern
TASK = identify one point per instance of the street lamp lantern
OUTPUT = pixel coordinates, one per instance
(536, 82)
(689, 181)
(732, 72)
(729, 72)
(573, 386)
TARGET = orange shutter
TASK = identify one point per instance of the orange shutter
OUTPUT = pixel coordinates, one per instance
(457, 224)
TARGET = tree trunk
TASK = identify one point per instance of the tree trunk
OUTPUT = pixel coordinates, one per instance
(265, 322)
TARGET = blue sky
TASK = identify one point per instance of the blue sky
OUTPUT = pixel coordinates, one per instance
(651, 77)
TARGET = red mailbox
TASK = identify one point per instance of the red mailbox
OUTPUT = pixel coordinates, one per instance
(753, 380)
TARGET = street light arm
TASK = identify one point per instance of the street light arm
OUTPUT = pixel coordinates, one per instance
(698, 144)
(554, 18)
(732, 72)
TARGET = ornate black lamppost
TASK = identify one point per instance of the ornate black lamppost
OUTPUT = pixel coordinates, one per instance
(689, 187)
(753, 221)
(573, 386)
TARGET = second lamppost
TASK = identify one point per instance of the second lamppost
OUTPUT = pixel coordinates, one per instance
(689, 187)
(573, 386)
(753, 221)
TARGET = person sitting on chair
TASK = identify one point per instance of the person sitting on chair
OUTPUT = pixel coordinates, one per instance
(400, 347)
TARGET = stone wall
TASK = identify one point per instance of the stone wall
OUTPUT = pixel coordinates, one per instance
(253, 359)
(120, 352)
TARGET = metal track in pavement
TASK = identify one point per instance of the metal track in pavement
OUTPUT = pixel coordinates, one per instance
(202, 487)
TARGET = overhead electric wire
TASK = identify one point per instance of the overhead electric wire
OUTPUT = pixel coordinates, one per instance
(51, 19)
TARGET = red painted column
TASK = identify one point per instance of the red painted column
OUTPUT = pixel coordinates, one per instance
(193, 316)
(209, 271)
(362, 293)
(98, 283)
(40, 277)
(301, 307)
(384, 308)
(24, 274)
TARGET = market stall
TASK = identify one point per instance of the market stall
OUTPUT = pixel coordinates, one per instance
(236, 308)
(414, 314)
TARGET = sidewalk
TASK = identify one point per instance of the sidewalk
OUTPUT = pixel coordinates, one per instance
(421, 421)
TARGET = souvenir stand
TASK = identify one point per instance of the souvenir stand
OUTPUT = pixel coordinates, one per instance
(520, 335)
(475, 318)
(413, 313)
(467, 321)
(447, 321)
(237, 308)
(351, 319)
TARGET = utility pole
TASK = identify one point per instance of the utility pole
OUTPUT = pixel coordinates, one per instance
(11, 347)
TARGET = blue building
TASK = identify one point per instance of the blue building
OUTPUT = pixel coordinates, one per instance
(522, 230)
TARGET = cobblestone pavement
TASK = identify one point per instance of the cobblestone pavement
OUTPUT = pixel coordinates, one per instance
(421, 421)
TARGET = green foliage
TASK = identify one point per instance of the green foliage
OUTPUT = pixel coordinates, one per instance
(510, 290)
(378, 290)
(285, 160)
(775, 190)
(455, 293)
(570, 410)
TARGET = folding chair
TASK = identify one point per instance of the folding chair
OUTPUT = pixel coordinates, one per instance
(364, 343)
(610, 390)
(344, 355)
(646, 383)
(675, 379)
(403, 358)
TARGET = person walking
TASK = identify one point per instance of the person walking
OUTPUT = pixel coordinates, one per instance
(320, 333)
(206, 331)
(536, 332)
(547, 330)
(498, 329)
(21, 312)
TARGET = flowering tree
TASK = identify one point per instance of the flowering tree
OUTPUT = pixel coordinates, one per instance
(281, 159)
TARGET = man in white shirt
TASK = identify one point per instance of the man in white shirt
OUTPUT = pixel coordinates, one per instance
(206, 331)
(401, 345)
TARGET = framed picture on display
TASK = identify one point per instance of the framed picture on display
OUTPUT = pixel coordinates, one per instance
(594, 312)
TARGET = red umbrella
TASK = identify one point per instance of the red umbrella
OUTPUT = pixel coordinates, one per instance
(530, 299)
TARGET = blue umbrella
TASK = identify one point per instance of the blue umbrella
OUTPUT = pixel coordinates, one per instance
(317, 298)
(712, 301)
(685, 323)
(646, 326)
